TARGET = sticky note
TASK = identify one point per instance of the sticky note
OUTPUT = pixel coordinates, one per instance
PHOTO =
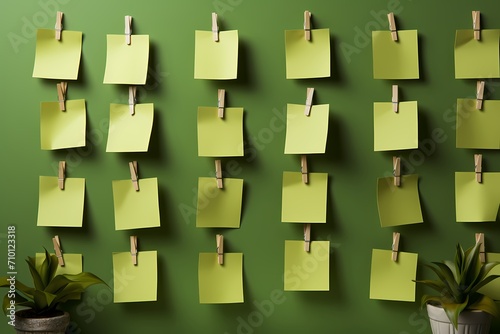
(135, 283)
(492, 289)
(393, 280)
(216, 60)
(478, 128)
(220, 284)
(126, 64)
(306, 134)
(395, 59)
(307, 271)
(307, 59)
(395, 131)
(61, 208)
(130, 133)
(477, 59)
(57, 59)
(72, 263)
(477, 202)
(62, 129)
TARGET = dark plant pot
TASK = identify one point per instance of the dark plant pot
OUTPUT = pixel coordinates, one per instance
(469, 322)
(49, 325)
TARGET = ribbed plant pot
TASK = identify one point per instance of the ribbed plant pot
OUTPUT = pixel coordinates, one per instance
(469, 322)
(49, 325)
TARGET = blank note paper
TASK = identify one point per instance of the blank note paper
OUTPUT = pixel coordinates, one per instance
(307, 271)
(395, 131)
(395, 59)
(492, 289)
(135, 283)
(126, 64)
(62, 129)
(307, 59)
(306, 134)
(478, 128)
(474, 201)
(216, 60)
(477, 59)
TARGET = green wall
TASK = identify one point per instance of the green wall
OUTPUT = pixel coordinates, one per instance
(261, 88)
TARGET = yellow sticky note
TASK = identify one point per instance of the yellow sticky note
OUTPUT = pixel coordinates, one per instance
(301, 202)
(72, 263)
(220, 137)
(307, 59)
(393, 280)
(216, 60)
(57, 59)
(395, 59)
(478, 128)
(126, 64)
(395, 131)
(307, 271)
(398, 205)
(306, 134)
(61, 208)
(136, 209)
(135, 283)
(477, 59)
(477, 202)
(220, 283)
(130, 133)
(62, 129)
(219, 207)
(492, 289)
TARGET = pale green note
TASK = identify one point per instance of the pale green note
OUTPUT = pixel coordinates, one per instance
(57, 59)
(478, 128)
(62, 129)
(135, 283)
(216, 60)
(126, 64)
(474, 201)
(395, 130)
(220, 283)
(301, 202)
(61, 208)
(219, 207)
(492, 289)
(306, 134)
(130, 133)
(72, 263)
(477, 59)
(220, 137)
(398, 205)
(395, 59)
(136, 209)
(307, 271)
(307, 59)
(393, 280)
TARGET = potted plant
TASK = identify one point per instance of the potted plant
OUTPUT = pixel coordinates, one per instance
(459, 307)
(41, 312)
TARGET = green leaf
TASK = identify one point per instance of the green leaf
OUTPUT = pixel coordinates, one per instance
(486, 304)
(485, 281)
(453, 269)
(446, 277)
(453, 310)
(44, 269)
(433, 284)
(37, 280)
(83, 280)
(472, 266)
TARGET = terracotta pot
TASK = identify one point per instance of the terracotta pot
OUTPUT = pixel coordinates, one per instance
(49, 325)
(469, 322)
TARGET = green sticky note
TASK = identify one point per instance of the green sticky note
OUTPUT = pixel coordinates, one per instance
(72, 263)
(398, 205)
(220, 137)
(62, 129)
(393, 280)
(57, 59)
(216, 60)
(220, 283)
(130, 133)
(307, 59)
(478, 128)
(136, 209)
(61, 208)
(492, 289)
(307, 271)
(395, 59)
(474, 201)
(126, 64)
(219, 207)
(301, 202)
(395, 130)
(135, 283)
(477, 59)
(306, 134)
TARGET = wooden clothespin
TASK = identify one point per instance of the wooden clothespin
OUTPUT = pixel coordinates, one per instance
(220, 248)
(218, 174)
(395, 98)
(392, 26)
(132, 90)
(309, 101)
(62, 174)
(307, 237)
(133, 174)
(476, 24)
(479, 94)
(395, 245)
(478, 167)
(133, 249)
(128, 29)
(58, 250)
(307, 25)
(482, 253)
(59, 26)
(221, 97)
(396, 170)
(303, 169)
(215, 28)
(61, 94)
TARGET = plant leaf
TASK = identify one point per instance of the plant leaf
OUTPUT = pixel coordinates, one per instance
(453, 269)
(472, 266)
(82, 280)
(434, 284)
(453, 310)
(37, 280)
(485, 281)
(486, 304)
(446, 276)
(19, 287)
